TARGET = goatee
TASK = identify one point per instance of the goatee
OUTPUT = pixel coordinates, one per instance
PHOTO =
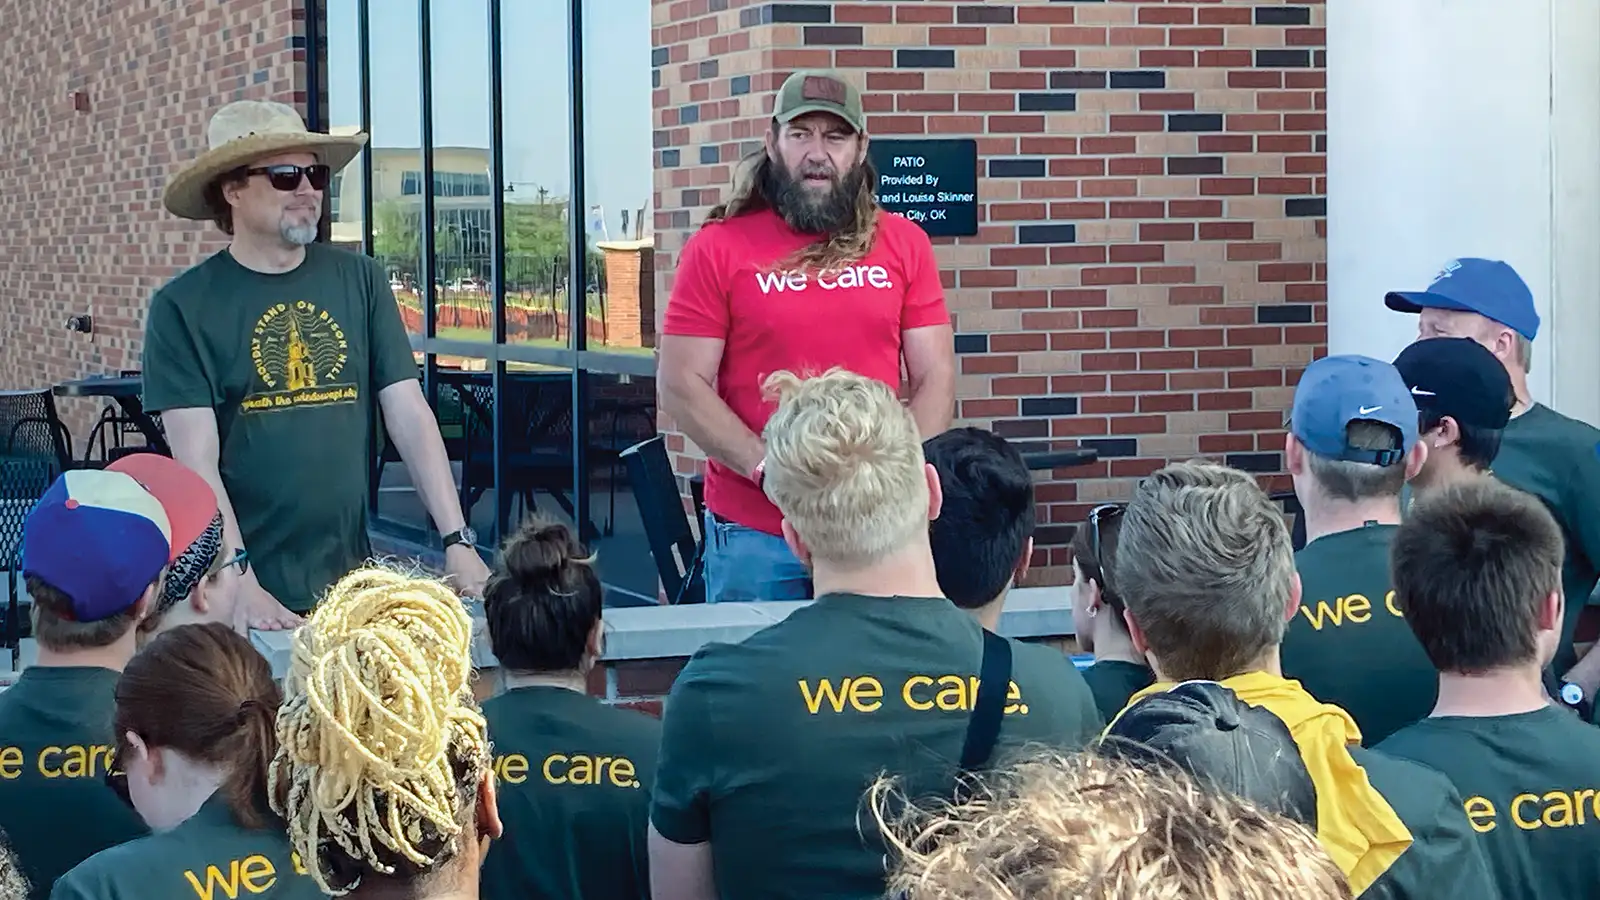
(807, 210)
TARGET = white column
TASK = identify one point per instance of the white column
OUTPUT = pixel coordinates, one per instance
(1467, 128)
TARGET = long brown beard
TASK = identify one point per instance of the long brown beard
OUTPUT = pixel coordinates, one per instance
(808, 212)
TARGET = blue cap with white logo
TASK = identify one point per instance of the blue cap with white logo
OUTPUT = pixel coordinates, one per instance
(1337, 390)
(1488, 287)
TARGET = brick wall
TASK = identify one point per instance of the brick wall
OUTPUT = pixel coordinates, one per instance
(80, 190)
(1149, 273)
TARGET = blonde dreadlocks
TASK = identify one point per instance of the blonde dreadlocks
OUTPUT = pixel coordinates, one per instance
(381, 745)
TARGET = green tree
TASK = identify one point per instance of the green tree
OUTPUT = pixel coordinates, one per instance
(397, 236)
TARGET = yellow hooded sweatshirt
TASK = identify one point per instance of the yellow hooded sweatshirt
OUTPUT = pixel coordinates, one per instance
(1356, 826)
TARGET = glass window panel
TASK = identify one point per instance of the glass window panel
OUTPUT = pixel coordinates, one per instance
(621, 411)
(619, 186)
(535, 403)
(464, 425)
(459, 33)
(537, 112)
(346, 227)
(396, 147)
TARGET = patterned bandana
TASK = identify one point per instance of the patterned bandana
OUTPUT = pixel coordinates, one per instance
(191, 566)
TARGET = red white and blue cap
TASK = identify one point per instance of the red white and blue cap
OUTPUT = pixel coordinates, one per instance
(99, 538)
(1488, 287)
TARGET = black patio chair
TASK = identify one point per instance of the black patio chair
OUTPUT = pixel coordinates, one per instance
(678, 551)
(23, 480)
(31, 429)
(1291, 507)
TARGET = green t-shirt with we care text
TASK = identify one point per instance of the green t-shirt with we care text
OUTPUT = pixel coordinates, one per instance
(1348, 644)
(56, 748)
(291, 364)
(770, 745)
(209, 856)
(1530, 786)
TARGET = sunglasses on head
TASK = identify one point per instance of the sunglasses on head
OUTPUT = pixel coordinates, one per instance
(1100, 514)
(287, 178)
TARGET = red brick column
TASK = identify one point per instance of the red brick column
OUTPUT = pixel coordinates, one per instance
(630, 293)
(99, 111)
(1149, 276)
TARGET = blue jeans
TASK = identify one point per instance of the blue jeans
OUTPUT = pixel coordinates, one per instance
(744, 564)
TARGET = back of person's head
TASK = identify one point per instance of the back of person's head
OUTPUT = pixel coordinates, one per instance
(543, 601)
(199, 585)
(382, 770)
(93, 551)
(1477, 573)
(1088, 827)
(1464, 396)
(205, 693)
(1094, 554)
(844, 465)
(1206, 568)
(13, 883)
(984, 531)
(1205, 730)
(1352, 429)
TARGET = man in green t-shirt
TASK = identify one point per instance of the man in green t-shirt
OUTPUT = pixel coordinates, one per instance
(269, 360)
(1478, 570)
(1464, 397)
(769, 747)
(1206, 567)
(93, 551)
(1352, 444)
(1551, 456)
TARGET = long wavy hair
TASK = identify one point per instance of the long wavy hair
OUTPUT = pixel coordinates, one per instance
(753, 182)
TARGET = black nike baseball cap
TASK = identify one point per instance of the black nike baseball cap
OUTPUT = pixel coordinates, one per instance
(1459, 378)
(1204, 729)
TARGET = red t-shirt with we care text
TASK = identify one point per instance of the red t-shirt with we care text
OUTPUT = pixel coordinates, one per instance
(728, 286)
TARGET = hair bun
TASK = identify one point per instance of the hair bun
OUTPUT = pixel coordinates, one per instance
(542, 559)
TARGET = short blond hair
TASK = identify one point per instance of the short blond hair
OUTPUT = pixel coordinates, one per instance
(845, 466)
(1087, 827)
(1205, 565)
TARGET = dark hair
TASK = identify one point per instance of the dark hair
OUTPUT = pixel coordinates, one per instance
(542, 600)
(1478, 445)
(987, 515)
(205, 692)
(1095, 569)
(55, 628)
(217, 202)
(1471, 565)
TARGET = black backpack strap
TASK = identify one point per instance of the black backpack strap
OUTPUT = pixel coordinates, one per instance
(994, 682)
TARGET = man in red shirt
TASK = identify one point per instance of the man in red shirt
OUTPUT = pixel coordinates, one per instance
(802, 271)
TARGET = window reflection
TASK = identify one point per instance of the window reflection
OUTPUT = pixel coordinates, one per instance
(536, 112)
(463, 228)
(621, 410)
(396, 146)
(347, 228)
(618, 174)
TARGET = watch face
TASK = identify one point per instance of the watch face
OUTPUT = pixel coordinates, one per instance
(468, 535)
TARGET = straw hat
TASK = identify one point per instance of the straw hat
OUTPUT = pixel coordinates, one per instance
(245, 131)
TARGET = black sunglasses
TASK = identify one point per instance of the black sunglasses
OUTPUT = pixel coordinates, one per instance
(287, 178)
(1102, 513)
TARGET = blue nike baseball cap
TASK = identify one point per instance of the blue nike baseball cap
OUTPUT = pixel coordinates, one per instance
(1488, 287)
(1337, 390)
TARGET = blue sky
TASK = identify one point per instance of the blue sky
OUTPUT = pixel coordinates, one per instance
(535, 84)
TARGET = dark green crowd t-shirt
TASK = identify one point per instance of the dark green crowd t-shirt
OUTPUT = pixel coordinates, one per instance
(1443, 861)
(56, 747)
(1348, 644)
(574, 776)
(291, 364)
(209, 856)
(770, 745)
(1531, 789)
(1557, 459)
(1114, 681)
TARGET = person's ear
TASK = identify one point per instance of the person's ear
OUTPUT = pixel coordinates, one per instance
(1021, 570)
(1552, 611)
(1449, 431)
(1134, 631)
(1294, 455)
(861, 154)
(232, 188)
(595, 646)
(1416, 459)
(1293, 606)
(197, 597)
(146, 604)
(796, 545)
(138, 749)
(488, 812)
(771, 143)
(935, 491)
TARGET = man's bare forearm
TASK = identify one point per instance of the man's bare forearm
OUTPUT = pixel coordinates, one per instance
(714, 428)
(932, 404)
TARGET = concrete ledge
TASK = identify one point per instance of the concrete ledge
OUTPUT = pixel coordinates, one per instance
(676, 632)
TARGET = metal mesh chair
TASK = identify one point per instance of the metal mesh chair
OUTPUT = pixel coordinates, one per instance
(30, 428)
(22, 482)
(678, 552)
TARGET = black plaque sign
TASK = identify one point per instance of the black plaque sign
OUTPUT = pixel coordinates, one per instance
(933, 182)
